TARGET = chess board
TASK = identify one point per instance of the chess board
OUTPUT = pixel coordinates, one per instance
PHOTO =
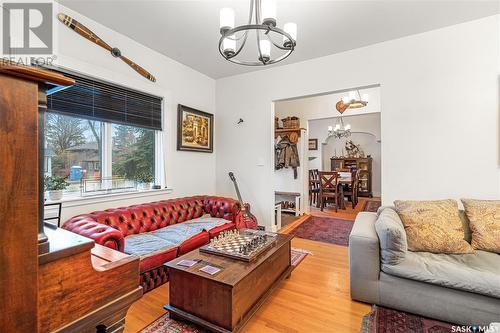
(231, 246)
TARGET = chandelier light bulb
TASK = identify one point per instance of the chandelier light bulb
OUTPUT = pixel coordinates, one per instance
(226, 19)
(291, 29)
(229, 46)
(347, 127)
(269, 12)
(330, 128)
(337, 127)
(346, 99)
(265, 50)
(365, 98)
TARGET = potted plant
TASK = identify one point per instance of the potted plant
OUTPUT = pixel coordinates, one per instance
(55, 186)
(144, 180)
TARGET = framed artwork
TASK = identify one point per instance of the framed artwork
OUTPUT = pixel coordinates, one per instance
(313, 144)
(195, 130)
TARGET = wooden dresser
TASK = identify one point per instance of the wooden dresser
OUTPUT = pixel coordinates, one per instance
(51, 280)
(364, 165)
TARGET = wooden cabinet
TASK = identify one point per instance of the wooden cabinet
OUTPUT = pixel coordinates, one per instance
(364, 165)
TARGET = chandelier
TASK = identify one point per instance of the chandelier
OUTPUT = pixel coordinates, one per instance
(352, 101)
(340, 130)
(263, 12)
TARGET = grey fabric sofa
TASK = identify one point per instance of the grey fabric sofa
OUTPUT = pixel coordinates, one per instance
(460, 289)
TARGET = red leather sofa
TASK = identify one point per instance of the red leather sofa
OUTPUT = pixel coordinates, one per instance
(139, 223)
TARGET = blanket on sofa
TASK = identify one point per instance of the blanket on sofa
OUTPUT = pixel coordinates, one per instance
(150, 243)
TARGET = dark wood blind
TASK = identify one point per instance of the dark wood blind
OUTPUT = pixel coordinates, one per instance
(97, 100)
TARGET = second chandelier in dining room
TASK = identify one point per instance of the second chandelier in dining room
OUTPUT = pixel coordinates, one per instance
(262, 23)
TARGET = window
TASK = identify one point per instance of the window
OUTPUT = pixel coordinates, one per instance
(133, 152)
(101, 138)
(73, 148)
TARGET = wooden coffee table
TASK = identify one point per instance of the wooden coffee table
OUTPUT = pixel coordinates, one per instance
(224, 302)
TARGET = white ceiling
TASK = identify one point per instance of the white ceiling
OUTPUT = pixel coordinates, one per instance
(188, 31)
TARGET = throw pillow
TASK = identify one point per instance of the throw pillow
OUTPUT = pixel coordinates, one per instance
(392, 237)
(484, 219)
(433, 226)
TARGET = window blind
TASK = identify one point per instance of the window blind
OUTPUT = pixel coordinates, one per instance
(97, 100)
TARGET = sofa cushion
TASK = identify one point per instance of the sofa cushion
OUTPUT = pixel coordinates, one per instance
(392, 237)
(153, 251)
(478, 272)
(180, 232)
(433, 226)
(484, 217)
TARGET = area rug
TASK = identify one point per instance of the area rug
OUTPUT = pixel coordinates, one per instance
(166, 325)
(324, 229)
(372, 206)
(298, 255)
(384, 320)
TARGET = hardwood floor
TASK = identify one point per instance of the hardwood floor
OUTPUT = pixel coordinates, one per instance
(314, 299)
(348, 214)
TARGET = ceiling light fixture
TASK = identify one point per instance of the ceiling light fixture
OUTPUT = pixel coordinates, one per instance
(351, 101)
(340, 130)
(263, 12)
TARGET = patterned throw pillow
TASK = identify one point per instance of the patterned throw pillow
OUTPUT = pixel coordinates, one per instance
(484, 218)
(433, 226)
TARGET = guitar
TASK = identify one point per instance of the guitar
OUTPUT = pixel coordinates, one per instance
(245, 219)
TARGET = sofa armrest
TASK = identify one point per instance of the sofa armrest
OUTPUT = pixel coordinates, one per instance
(101, 234)
(364, 259)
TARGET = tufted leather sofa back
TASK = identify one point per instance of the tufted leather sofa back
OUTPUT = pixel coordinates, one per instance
(156, 215)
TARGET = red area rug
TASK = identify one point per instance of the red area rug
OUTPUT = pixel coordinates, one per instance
(372, 206)
(384, 320)
(325, 229)
(166, 325)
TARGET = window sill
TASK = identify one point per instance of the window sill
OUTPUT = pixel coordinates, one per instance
(94, 199)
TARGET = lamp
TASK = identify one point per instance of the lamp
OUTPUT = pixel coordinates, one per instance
(263, 13)
(352, 101)
(340, 130)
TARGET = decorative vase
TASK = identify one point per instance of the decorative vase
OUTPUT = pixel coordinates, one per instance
(55, 195)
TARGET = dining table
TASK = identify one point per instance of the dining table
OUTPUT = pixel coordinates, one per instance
(345, 178)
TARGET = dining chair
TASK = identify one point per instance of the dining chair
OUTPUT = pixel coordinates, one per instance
(329, 189)
(313, 187)
(351, 190)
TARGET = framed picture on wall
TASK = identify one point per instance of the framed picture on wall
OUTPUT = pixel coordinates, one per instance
(313, 144)
(195, 130)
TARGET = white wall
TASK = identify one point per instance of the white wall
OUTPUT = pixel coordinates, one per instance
(439, 121)
(188, 173)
